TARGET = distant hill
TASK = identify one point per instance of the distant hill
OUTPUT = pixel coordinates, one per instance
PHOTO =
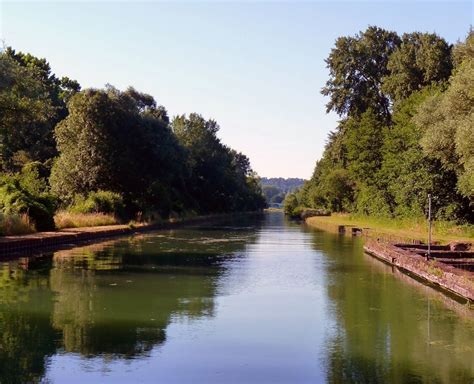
(275, 188)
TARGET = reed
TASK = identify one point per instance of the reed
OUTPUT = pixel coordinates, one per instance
(65, 219)
(15, 224)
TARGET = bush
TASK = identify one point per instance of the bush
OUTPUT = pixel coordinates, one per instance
(99, 202)
(33, 178)
(290, 204)
(16, 199)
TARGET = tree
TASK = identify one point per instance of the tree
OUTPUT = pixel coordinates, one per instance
(448, 121)
(422, 59)
(270, 191)
(338, 190)
(290, 204)
(220, 178)
(36, 101)
(364, 141)
(59, 89)
(405, 131)
(26, 112)
(111, 141)
(463, 49)
(408, 174)
(357, 66)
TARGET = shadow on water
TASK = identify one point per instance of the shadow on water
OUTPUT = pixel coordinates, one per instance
(113, 299)
(387, 326)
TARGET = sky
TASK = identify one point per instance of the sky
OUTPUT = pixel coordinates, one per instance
(257, 68)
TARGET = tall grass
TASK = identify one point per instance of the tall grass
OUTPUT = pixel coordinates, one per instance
(14, 224)
(65, 219)
(416, 228)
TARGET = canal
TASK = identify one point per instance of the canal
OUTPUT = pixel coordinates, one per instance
(251, 300)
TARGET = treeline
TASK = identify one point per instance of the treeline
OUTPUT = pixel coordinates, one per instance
(285, 185)
(276, 188)
(407, 128)
(109, 151)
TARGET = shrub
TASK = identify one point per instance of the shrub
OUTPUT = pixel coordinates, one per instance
(16, 199)
(33, 178)
(99, 202)
(290, 204)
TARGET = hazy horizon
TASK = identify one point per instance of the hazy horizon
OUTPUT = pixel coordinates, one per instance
(255, 67)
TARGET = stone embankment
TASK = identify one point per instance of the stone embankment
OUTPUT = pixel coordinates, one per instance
(450, 267)
(450, 270)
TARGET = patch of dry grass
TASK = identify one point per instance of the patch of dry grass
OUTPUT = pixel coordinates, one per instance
(64, 219)
(13, 224)
(413, 228)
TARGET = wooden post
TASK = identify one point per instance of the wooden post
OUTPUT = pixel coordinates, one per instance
(429, 226)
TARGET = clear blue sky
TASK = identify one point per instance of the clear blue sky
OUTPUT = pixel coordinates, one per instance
(255, 67)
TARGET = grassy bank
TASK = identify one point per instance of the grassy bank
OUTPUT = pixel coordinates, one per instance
(64, 219)
(397, 229)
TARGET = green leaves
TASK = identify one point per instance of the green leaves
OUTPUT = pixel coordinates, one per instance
(221, 179)
(406, 130)
(21, 194)
(26, 110)
(357, 65)
(109, 140)
(121, 142)
(421, 60)
(448, 122)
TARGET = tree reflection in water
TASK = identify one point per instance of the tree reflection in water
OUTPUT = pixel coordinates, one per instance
(114, 299)
(384, 332)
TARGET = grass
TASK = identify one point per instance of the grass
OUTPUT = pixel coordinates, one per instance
(416, 229)
(434, 270)
(64, 219)
(13, 224)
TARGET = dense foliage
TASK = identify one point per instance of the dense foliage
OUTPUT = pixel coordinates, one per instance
(406, 130)
(109, 151)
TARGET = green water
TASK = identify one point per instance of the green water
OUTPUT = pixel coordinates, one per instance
(253, 300)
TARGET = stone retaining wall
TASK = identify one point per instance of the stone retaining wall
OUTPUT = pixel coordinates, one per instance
(447, 277)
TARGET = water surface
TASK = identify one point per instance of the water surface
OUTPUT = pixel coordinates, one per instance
(250, 300)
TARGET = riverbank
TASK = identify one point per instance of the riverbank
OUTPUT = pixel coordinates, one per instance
(11, 245)
(385, 243)
(455, 280)
(392, 230)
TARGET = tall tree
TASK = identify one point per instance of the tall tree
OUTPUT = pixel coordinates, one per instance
(221, 179)
(422, 59)
(112, 141)
(59, 89)
(357, 66)
(25, 115)
(408, 174)
(34, 101)
(448, 121)
(364, 141)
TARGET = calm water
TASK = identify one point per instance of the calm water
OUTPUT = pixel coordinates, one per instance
(259, 300)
